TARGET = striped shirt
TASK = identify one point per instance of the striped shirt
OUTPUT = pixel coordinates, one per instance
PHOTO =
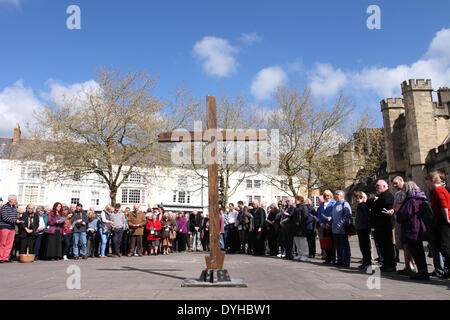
(8, 217)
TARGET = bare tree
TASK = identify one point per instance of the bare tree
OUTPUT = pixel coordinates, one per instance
(109, 131)
(232, 113)
(308, 134)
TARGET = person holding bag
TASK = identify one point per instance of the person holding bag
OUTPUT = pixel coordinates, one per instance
(409, 216)
(55, 222)
(167, 227)
(154, 235)
(105, 228)
(324, 213)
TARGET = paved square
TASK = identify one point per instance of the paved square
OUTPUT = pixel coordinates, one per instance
(161, 277)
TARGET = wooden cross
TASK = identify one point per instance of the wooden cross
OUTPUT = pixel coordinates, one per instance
(216, 258)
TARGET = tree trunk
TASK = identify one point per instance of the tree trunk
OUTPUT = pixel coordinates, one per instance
(113, 195)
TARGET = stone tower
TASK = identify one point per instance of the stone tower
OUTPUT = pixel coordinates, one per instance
(395, 130)
(415, 126)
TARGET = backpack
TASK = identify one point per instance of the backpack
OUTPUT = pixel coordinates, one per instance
(427, 215)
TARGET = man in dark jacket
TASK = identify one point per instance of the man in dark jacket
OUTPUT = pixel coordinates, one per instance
(195, 225)
(287, 228)
(298, 223)
(80, 225)
(244, 222)
(382, 220)
(28, 229)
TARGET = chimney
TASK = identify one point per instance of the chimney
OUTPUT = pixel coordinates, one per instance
(16, 137)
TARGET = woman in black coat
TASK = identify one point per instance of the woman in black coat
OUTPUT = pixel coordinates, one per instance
(28, 229)
(272, 230)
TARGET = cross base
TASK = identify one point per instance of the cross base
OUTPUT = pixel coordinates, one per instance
(215, 278)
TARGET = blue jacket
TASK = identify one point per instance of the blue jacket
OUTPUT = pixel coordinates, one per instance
(93, 224)
(310, 224)
(340, 215)
(327, 213)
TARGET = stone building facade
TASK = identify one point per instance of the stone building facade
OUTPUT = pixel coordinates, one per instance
(417, 131)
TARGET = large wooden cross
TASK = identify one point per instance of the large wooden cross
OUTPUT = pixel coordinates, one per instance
(216, 258)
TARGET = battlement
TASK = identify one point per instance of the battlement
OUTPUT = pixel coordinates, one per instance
(419, 84)
(444, 97)
(392, 103)
(440, 153)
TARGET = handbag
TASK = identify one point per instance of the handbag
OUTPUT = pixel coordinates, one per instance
(106, 229)
(173, 235)
(326, 244)
(157, 234)
(349, 228)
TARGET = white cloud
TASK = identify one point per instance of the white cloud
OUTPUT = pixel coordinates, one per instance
(216, 55)
(13, 2)
(17, 104)
(266, 81)
(60, 93)
(325, 80)
(250, 38)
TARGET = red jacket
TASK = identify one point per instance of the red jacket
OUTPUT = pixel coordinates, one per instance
(156, 226)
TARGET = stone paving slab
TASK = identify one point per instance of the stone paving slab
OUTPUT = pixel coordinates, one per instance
(161, 278)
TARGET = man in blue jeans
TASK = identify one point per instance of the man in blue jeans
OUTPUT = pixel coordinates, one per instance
(80, 223)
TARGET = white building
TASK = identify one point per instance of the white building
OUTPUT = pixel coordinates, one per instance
(176, 189)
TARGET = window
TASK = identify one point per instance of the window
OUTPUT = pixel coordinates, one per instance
(257, 198)
(134, 177)
(31, 172)
(175, 196)
(34, 172)
(75, 197)
(31, 194)
(249, 184)
(20, 194)
(250, 200)
(133, 196)
(95, 198)
(42, 195)
(23, 171)
(182, 197)
(188, 198)
(284, 184)
(124, 195)
(257, 184)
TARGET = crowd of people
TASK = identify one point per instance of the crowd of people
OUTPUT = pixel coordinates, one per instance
(286, 230)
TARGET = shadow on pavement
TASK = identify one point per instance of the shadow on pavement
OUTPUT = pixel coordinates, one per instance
(150, 271)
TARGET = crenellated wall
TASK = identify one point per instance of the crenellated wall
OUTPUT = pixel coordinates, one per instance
(413, 126)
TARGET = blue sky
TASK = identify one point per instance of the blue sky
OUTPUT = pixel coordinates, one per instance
(245, 47)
